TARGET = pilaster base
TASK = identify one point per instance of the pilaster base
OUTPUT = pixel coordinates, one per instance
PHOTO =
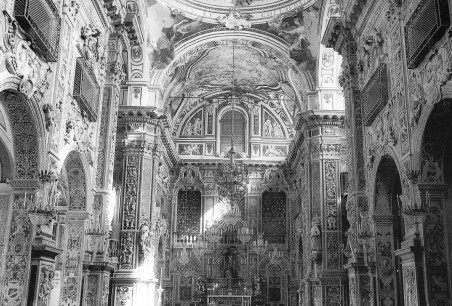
(128, 290)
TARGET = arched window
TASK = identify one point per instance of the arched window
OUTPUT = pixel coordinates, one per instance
(226, 131)
(189, 212)
(274, 216)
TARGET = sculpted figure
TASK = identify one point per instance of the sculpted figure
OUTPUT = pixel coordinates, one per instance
(315, 235)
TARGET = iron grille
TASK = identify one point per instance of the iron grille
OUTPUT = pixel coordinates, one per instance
(40, 21)
(375, 94)
(86, 89)
(424, 28)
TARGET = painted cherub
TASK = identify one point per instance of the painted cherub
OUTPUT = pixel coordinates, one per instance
(300, 33)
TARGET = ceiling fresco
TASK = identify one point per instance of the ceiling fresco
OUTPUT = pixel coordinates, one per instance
(275, 57)
(260, 11)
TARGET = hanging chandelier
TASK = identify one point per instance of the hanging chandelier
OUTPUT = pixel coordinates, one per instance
(260, 245)
(231, 178)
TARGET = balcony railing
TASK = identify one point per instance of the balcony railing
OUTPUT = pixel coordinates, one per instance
(86, 89)
(41, 23)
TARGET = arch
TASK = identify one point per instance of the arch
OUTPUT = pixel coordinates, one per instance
(389, 229)
(435, 165)
(387, 152)
(76, 181)
(27, 145)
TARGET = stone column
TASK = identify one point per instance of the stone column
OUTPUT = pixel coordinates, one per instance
(134, 281)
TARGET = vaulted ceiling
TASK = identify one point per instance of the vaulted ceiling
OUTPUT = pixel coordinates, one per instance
(267, 48)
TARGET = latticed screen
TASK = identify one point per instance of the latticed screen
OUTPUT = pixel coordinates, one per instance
(189, 212)
(274, 216)
(40, 21)
(375, 95)
(86, 89)
(424, 28)
(226, 131)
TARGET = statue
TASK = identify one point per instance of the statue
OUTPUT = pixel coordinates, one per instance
(316, 245)
(145, 237)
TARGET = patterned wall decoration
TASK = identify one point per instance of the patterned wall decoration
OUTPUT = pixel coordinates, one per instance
(190, 149)
(17, 257)
(315, 182)
(73, 265)
(385, 266)
(91, 290)
(333, 251)
(435, 254)
(76, 180)
(185, 288)
(131, 192)
(105, 290)
(331, 195)
(102, 140)
(274, 216)
(409, 285)
(210, 115)
(210, 149)
(128, 249)
(25, 137)
(255, 150)
(352, 290)
(189, 212)
(366, 291)
(333, 296)
(123, 296)
(256, 129)
(194, 125)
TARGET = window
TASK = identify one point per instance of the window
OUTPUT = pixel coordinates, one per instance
(226, 131)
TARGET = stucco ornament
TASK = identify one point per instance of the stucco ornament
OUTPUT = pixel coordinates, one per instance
(235, 21)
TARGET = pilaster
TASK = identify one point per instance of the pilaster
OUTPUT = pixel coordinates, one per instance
(16, 277)
(134, 281)
(325, 284)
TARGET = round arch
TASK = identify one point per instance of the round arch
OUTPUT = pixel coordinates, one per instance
(389, 231)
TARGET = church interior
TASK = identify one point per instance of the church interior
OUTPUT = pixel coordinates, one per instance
(225, 152)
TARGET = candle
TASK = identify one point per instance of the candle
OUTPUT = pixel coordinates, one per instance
(25, 199)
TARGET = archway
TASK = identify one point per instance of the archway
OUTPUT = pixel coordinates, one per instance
(20, 157)
(389, 232)
(435, 185)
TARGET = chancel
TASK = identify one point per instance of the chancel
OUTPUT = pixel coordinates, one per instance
(225, 152)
